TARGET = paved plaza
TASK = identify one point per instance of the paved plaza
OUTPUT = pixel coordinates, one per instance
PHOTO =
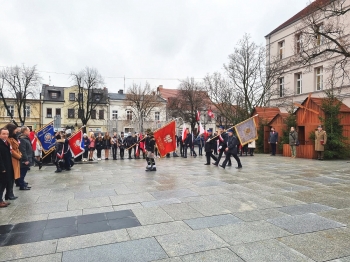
(274, 209)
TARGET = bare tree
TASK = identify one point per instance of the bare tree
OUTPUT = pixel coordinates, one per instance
(90, 92)
(191, 97)
(323, 35)
(20, 84)
(142, 100)
(251, 77)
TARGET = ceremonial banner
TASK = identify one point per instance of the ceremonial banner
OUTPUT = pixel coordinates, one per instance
(184, 132)
(46, 137)
(76, 143)
(165, 138)
(246, 131)
(142, 143)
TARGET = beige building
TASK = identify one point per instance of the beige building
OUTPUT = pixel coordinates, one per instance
(285, 43)
(31, 113)
(52, 103)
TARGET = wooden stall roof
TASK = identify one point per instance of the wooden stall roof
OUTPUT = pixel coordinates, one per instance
(282, 115)
(266, 113)
(318, 101)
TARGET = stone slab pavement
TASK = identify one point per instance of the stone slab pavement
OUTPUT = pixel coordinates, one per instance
(274, 209)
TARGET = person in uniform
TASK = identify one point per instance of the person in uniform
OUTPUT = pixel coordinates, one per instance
(114, 142)
(59, 153)
(293, 139)
(150, 143)
(129, 142)
(273, 140)
(68, 162)
(231, 149)
(222, 145)
(320, 141)
(209, 147)
(122, 144)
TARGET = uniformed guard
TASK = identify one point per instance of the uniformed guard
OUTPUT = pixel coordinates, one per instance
(222, 146)
(150, 143)
(320, 141)
(209, 147)
(231, 149)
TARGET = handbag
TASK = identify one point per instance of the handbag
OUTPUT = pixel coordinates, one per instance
(297, 143)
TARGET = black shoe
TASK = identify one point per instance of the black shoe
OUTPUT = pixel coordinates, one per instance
(222, 166)
(68, 169)
(207, 164)
(10, 198)
(72, 164)
(24, 188)
(239, 167)
(185, 157)
(58, 171)
(153, 169)
(40, 165)
(229, 164)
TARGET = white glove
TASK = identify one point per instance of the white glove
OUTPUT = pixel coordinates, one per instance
(220, 147)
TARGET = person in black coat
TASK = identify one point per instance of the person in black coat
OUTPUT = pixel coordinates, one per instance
(231, 149)
(86, 147)
(121, 144)
(181, 145)
(26, 149)
(150, 144)
(222, 146)
(6, 168)
(129, 142)
(187, 144)
(99, 146)
(114, 142)
(209, 146)
(273, 140)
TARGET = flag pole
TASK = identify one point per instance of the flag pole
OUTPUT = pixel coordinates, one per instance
(232, 127)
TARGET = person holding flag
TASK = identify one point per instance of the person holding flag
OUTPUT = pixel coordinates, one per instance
(231, 149)
(222, 145)
(150, 144)
(209, 147)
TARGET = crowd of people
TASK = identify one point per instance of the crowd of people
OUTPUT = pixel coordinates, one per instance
(18, 152)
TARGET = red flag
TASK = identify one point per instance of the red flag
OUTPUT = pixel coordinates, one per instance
(184, 132)
(197, 116)
(165, 139)
(142, 144)
(33, 138)
(210, 113)
(76, 143)
(202, 131)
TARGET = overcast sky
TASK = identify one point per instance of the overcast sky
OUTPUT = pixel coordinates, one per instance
(138, 39)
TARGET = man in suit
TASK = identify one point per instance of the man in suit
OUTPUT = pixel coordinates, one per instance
(209, 147)
(129, 142)
(6, 168)
(122, 144)
(320, 141)
(273, 140)
(222, 145)
(27, 156)
(231, 149)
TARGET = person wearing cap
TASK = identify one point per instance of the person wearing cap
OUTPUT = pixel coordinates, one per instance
(273, 140)
(122, 144)
(150, 143)
(86, 147)
(222, 145)
(320, 141)
(231, 149)
(209, 146)
(129, 142)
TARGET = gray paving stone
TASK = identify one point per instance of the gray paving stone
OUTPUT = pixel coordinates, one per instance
(190, 242)
(213, 221)
(256, 215)
(181, 211)
(303, 209)
(248, 232)
(323, 245)
(217, 255)
(94, 194)
(339, 215)
(268, 250)
(179, 193)
(89, 203)
(140, 250)
(57, 257)
(127, 207)
(90, 240)
(208, 208)
(326, 180)
(151, 215)
(157, 229)
(71, 213)
(131, 198)
(28, 250)
(96, 210)
(173, 259)
(210, 183)
(344, 259)
(161, 202)
(304, 223)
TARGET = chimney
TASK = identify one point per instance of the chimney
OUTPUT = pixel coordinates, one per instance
(120, 91)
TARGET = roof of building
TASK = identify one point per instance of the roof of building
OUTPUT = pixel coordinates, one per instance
(46, 90)
(266, 113)
(167, 93)
(116, 96)
(318, 101)
(283, 115)
(300, 15)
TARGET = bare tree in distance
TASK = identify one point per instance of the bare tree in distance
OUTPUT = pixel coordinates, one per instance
(324, 35)
(21, 84)
(142, 100)
(251, 77)
(191, 97)
(91, 93)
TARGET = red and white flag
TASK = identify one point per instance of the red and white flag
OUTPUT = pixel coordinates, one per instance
(210, 113)
(165, 138)
(184, 132)
(33, 139)
(198, 116)
(142, 143)
(76, 143)
(201, 130)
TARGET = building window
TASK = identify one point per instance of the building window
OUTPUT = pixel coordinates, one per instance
(101, 114)
(299, 83)
(281, 50)
(54, 95)
(97, 97)
(71, 113)
(156, 116)
(129, 115)
(281, 87)
(80, 113)
(10, 108)
(319, 38)
(71, 96)
(27, 111)
(93, 114)
(49, 112)
(114, 114)
(319, 78)
(80, 97)
(298, 43)
(58, 111)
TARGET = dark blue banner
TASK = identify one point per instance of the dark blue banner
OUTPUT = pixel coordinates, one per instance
(46, 137)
